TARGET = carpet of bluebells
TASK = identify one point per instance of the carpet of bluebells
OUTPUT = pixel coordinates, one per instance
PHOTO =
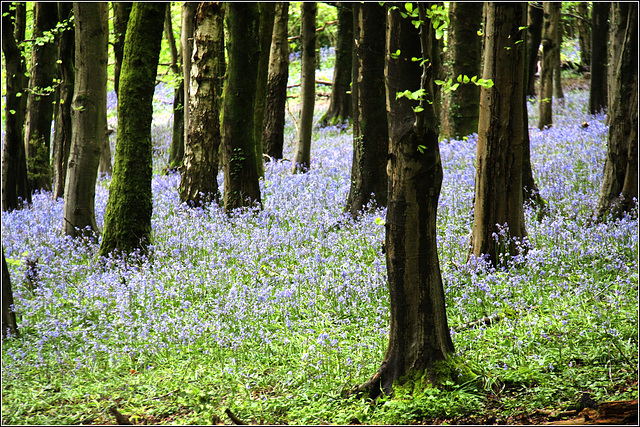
(274, 312)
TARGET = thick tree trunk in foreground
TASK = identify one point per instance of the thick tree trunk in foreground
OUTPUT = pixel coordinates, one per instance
(41, 99)
(302, 155)
(340, 102)
(273, 124)
(464, 52)
(620, 177)
(534, 38)
(121, 13)
(419, 337)
(498, 191)
(549, 47)
(89, 118)
(9, 323)
(618, 15)
(199, 184)
(370, 129)
(241, 186)
(127, 222)
(15, 188)
(62, 127)
(598, 96)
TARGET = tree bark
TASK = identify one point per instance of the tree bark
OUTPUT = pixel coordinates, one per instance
(549, 56)
(534, 38)
(274, 119)
(620, 177)
(9, 323)
(340, 102)
(15, 186)
(41, 98)
(89, 118)
(558, 94)
(419, 337)
(176, 151)
(64, 98)
(498, 190)
(186, 44)
(618, 14)
(370, 128)
(302, 154)
(464, 59)
(121, 13)
(199, 184)
(584, 33)
(598, 96)
(241, 188)
(127, 223)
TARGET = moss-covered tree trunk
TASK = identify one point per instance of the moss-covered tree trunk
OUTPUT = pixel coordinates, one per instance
(276, 97)
(127, 223)
(199, 184)
(549, 47)
(534, 38)
(302, 154)
(121, 12)
(89, 118)
(340, 104)
(40, 101)
(419, 338)
(598, 92)
(370, 129)
(620, 177)
(62, 127)
(239, 153)
(15, 187)
(498, 189)
(9, 323)
(267, 15)
(464, 58)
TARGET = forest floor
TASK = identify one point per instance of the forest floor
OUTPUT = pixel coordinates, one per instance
(272, 315)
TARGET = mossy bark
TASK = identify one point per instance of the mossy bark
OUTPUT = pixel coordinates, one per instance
(370, 128)
(598, 92)
(549, 47)
(276, 97)
(498, 189)
(127, 224)
(9, 323)
(241, 188)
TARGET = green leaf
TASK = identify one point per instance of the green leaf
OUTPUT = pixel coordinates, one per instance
(418, 109)
(409, 7)
(465, 79)
(439, 33)
(379, 221)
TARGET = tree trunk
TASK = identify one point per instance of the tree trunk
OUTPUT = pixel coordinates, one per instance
(534, 38)
(127, 222)
(241, 186)
(584, 34)
(498, 190)
(176, 151)
(41, 98)
(618, 18)
(62, 127)
(9, 323)
(199, 184)
(267, 15)
(464, 59)
(549, 46)
(620, 177)
(121, 12)
(370, 129)
(340, 102)
(598, 96)
(419, 338)
(186, 44)
(273, 124)
(302, 155)
(558, 94)
(15, 187)
(89, 118)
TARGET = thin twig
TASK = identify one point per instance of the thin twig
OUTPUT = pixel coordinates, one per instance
(233, 418)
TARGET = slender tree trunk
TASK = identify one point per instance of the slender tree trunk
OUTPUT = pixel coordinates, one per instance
(273, 124)
(186, 44)
(302, 155)
(558, 94)
(89, 118)
(584, 34)
(498, 191)
(620, 177)
(41, 99)
(121, 12)
(267, 15)
(15, 187)
(62, 127)
(127, 222)
(549, 46)
(9, 323)
(598, 96)
(340, 102)
(370, 129)
(199, 184)
(534, 38)
(464, 50)
(419, 338)
(176, 151)
(241, 186)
